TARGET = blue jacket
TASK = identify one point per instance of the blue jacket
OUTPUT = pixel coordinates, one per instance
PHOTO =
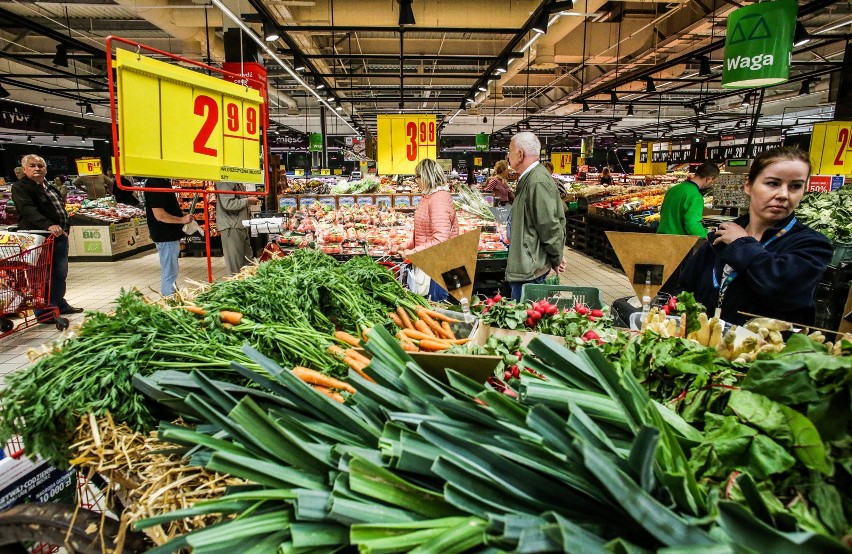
(777, 281)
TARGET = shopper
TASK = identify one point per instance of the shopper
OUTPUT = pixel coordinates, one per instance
(435, 218)
(231, 211)
(498, 185)
(96, 186)
(19, 172)
(41, 208)
(767, 262)
(125, 196)
(537, 220)
(165, 223)
(606, 178)
(683, 205)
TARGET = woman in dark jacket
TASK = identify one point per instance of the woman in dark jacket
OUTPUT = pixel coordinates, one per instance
(767, 262)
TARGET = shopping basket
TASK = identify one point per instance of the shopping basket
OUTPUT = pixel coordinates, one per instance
(25, 285)
(563, 296)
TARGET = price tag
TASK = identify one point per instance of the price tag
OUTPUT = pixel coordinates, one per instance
(325, 172)
(401, 201)
(404, 140)
(286, 202)
(345, 200)
(477, 162)
(415, 199)
(330, 201)
(88, 166)
(561, 162)
(339, 171)
(193, 126)
(819, 183)
(365, 200)
(307, 201)
(831, 148)
(299, 172)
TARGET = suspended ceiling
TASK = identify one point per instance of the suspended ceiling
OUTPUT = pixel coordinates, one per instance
(446, 63)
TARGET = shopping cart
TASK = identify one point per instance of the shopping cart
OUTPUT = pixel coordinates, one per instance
(25, 285)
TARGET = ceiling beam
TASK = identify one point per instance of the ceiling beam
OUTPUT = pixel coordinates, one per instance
(58, 36)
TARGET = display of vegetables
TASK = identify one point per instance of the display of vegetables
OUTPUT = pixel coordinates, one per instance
(472, 201)
(830, 213)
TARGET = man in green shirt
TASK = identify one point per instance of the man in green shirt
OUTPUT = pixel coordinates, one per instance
(683, 206)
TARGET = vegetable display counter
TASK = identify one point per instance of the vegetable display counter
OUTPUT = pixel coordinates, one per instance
(107, 242)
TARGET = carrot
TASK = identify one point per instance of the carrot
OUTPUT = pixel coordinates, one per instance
(314, 377)
(336, 351)
(434, 345)
(329, 393)
(409, 346)
(358, 367)
(446, 327)
(414, 334)
(421, 326)
(234, 318)
(396, 321)
(193, 309)
(347, 338)
(357, 356)
(433, 325)
(364, 333)
(403, 316)
(439, 316)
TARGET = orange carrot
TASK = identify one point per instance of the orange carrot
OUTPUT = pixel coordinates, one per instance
(347, 338)
(434, 345)
(314, 377)
(396, 321)
(403, 316)
(414, 334)
(446, 327)
(433, 325)
(409, 346)
(439, 316)
(197, 310)
(364, 333)
(337, 397)
(357, 356)
(358, 367)
(423, 328)
(336, 351)
(234, 318)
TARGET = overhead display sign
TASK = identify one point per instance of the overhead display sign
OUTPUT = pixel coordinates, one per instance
(825, 183)
(316, 142)
(88, 166)
(193, 126)
(482, 142)
(758, 44)
(20, 116)
(561, 162)
(831, 148)
(404, 140)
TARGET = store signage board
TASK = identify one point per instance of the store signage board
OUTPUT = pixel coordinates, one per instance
(758, 44)
(325, 172)
(194, 126)
(561, 162)
(88, 166)
(634, 249)
(446, 164)
(831, 148)
(457, 252)
(483, 143)
(315, 142)
(825, 183)
(403, 141)
(299, 172)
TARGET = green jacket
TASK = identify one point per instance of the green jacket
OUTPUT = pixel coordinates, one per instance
(682, 210)
(537, 234)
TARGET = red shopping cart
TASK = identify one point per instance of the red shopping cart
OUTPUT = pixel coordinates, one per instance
(25, 284)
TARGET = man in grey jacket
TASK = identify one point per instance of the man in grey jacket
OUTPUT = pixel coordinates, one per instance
(231, 211)
(537, 220)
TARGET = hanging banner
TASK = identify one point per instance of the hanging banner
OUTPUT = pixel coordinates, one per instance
(193, 126)
(404, 140)
(315, 142)
(831, 148)
(482, 142)
(88, 166)
(758, 44)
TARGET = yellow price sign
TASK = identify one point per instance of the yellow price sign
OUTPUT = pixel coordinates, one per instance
(299, 172)
(325, 171)
(404, 140)
(831, 148)
(88, 166)
(477, 162)
(194, 126)
(561, 162)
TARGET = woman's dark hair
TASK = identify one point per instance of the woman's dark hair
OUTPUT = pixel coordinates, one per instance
(769, 157)
(605, 172)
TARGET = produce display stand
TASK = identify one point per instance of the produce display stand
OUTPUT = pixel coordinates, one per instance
(95, 241)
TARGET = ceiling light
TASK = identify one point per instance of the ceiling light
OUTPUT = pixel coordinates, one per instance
(330, 98)
(270, 31)
(406, 15)
(3, 92)
(318, 84)
(502, 67)
(630, 109)
(746, 100)
(704, 66)
(61, 57)
(339, 108)
(485, 119)
(801, 35)
(649, 85)
(83, 138)
(609, 127)
(585, 106)
(29, 138)
(576, 124)
(541, 22)
(471, 100)
(482, 88)
(55, 138)
(613, 97)
(805, 88)
(298, 63)
(697, 139)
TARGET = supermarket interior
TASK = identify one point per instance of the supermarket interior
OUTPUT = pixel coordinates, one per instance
(430, 276)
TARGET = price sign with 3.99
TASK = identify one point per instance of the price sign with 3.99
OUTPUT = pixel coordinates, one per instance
(404, 140)
(192, 126)
(831, 148)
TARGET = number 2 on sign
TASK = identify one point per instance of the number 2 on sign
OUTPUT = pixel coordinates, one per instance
(843, 139)
(425, 136)
(208, 107)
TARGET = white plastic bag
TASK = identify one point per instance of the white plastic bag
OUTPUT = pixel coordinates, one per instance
(418, 281)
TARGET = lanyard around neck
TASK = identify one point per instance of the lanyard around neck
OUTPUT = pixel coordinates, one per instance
(733, 274)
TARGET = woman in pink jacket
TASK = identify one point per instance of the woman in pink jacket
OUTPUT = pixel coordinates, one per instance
(435, 218)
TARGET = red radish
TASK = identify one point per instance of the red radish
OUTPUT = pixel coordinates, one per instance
(530, 322)
(536, 315)
(507, 375)
(485, 309)
(497, 297)
(552, 310)
(489, 302)
(580, 309)
(590, 334)
(530, 312)
(516, 372)
(592, 318)
(597, 313)
(519, 355)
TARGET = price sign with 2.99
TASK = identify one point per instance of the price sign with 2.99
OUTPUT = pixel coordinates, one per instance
(404, 140)
(831, 148)
(193, 126)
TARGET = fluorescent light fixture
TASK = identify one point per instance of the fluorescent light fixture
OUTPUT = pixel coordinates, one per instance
(270, 32)
(503, 67)
(55, 138)
(541, 22)
(746, 100)
(298, 63)
(630, 110)
(482, 88)
(406, 14)
(649, 85)
(29, 138)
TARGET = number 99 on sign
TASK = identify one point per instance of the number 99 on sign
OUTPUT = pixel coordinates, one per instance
(240, 123)
(422, 134)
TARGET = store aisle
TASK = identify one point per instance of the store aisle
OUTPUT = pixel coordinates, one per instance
(94, 286)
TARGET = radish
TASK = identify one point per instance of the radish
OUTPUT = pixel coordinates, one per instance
(497, 297)
(519, 355)
(516, 373)
(591, 335)
(530, 322)
(597, 313)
